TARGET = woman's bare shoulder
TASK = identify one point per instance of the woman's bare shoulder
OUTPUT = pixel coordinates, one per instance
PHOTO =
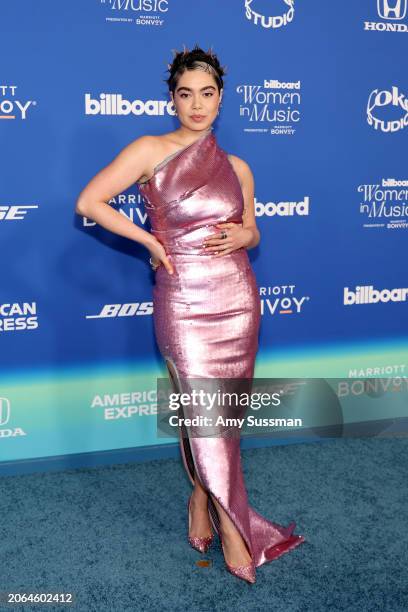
(151, 147)
(144, 143)
(146, 151)
(147, 141)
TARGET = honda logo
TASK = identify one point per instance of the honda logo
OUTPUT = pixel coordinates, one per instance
(4, 410)
(392, 9)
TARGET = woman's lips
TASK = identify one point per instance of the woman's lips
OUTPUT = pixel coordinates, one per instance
(197, 117)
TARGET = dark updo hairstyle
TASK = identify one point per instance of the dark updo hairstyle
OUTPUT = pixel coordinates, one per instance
(193, 60)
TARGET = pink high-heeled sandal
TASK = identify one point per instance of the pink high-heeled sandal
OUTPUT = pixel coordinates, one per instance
(245, 572)
(200, 544)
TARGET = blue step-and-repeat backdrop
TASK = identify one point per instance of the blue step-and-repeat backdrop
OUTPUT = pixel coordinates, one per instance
(316, 101)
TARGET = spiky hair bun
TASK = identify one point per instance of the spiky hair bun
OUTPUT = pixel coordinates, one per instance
(188, 60)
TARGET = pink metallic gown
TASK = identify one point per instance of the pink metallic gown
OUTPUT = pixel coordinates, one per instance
(206, 319)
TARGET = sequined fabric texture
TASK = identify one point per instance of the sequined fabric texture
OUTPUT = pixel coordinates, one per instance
(207, 317)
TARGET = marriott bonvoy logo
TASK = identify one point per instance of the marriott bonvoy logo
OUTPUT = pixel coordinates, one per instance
(115, 104)
(366, 294)
(381, 99)
(284, 17)
(282, 299)
(392, 12)
(12, 105)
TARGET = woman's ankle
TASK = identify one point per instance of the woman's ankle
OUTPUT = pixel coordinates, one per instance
(236, 549)
(228, 530)
(199, 497)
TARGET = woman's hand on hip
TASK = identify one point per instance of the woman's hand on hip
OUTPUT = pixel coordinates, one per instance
(158, 257)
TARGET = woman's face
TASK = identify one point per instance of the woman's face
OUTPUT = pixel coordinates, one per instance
(196, 99)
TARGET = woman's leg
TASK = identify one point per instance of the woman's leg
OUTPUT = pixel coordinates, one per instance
(200, 519)
(235, 549)
(236, 552)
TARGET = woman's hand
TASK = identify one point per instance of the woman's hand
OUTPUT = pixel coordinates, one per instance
(158, 255)
(237, 237)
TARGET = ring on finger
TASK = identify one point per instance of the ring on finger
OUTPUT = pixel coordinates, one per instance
(153, 265)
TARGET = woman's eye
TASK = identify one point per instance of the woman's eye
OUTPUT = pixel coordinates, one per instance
(207, 93)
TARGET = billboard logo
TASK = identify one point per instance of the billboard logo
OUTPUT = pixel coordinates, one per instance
(114, 104)
(392, 9)
(282, 209)
(368, 295)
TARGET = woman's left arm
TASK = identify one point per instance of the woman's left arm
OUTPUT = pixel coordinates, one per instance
(245, 234)
(246, 180)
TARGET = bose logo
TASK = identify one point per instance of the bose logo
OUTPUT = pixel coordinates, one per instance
(123, 310)
(14, 213)
(387, 10)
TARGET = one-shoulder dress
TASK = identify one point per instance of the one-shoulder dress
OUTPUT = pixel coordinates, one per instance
(206, 319)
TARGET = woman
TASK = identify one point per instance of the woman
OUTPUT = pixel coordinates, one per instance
(200, 203)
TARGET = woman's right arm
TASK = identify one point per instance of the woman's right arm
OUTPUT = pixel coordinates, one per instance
(127, 167)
